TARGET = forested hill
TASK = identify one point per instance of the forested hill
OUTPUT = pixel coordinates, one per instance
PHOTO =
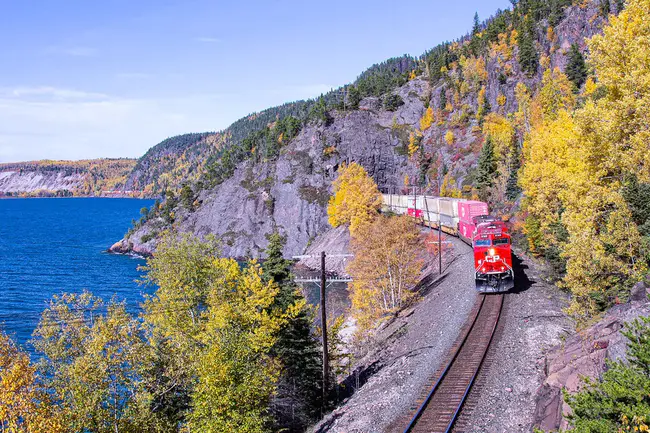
(96, 177)
(509, 113)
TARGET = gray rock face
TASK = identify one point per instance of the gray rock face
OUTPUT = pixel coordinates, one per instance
(584, 355)
(291, 193)
(31, 181)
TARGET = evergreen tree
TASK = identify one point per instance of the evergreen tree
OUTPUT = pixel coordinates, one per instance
(512, 185)
(475, 44)
(187, 196)
(298, 398)
(443, 98)
(576, 69)
(353, 98)
(487, 169)
(319, 113)
(528, 56)
(620, 401)
(393, 101)
(477, 24)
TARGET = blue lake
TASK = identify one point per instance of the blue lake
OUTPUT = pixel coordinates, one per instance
(51, 246)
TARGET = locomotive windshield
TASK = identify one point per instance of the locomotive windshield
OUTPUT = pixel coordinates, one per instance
(482, 243)
(501, 241)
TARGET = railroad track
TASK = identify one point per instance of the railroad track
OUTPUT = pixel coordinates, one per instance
(441, 407)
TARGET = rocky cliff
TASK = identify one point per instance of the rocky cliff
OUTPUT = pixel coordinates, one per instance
(443, 117)
(65, 178)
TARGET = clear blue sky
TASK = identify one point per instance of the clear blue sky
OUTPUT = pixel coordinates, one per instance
(86, 79)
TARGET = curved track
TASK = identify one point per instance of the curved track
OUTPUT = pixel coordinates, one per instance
(443, 404)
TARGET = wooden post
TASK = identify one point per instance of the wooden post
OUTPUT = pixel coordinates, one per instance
(323, 318)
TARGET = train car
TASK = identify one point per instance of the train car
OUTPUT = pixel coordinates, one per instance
(470, 221)
(467, 211)
(492, 255)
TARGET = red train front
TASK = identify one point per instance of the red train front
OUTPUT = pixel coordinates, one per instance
(492, 255)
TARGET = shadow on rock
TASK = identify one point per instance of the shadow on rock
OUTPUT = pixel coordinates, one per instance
(522, 282)
(430, 282)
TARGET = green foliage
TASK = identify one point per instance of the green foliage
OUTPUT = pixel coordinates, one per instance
(187, 197)
(487, 169)
(353, 97)
(393, 101)
(528, 55)
(443, 99)
(621, 400)
(299, 390)
(319, 112)
(576, 69)
(386, 76)
(438, 58)
(514, 164)
(92, 364)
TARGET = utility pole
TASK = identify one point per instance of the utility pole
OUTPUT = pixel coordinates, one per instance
(323, 312)
(439, 245)
(323, 318)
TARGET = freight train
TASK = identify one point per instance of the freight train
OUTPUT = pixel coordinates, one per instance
(471, 222)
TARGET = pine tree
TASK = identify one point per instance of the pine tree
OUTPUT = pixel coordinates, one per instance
(487, 169)
(620, 400)
(443, 98)
(512, 185)
(528, 56)
(353, 97)
(576, 69)
(298, 399)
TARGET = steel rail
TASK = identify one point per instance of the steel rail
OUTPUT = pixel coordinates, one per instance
(456, 412)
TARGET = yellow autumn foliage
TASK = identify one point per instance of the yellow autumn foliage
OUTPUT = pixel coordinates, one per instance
(356, 198)
(449, 138)
(414, 144)
(474, 71)
(386, 265)
(577, 164)
(427, 119)
(449, 188)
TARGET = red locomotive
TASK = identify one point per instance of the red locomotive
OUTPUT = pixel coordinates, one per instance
(492, 255)
(469, 220)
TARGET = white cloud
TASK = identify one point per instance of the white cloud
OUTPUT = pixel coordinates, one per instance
(41, 92)
(47, 122)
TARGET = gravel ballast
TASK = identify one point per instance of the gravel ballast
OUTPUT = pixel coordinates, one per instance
(532, 321)
(407, 352)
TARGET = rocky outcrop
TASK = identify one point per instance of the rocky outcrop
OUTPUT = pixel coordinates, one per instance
(584, 355)
(18, 181)
(290, 193)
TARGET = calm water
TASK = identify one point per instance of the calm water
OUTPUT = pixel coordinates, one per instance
(50, 246)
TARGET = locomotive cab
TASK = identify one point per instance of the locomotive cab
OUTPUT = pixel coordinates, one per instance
(492, 256)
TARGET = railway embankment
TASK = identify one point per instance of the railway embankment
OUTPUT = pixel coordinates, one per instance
(532, 323)
(396, 365)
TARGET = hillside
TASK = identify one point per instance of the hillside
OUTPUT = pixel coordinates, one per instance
(94, 177)
(410, 122)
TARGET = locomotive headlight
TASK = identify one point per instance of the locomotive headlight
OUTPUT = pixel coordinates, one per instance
(480, 261)
(503, 268)
(491, 251)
